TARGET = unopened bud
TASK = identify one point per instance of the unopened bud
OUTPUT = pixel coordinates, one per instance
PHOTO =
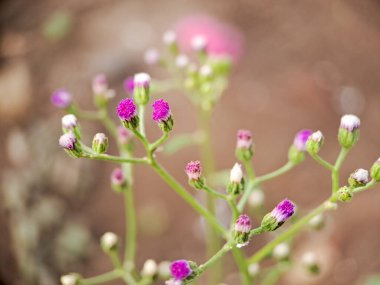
(279, 215)
(315, 142)
(358, 178)
(242, 229)
(141, 91)
(349, 131)
(100, 143)
(150, 268)
(71, 145)
(236, 184)
(70, 279)
(244, 145)
(199, 43)
(194, 173)
(296, 151)
(109, 241)
(317, 222)
(102, 94)
(118, 181)
(345, 194)
(151, 57)
(254, 269)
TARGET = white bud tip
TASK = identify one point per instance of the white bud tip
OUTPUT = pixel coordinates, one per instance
(150, 268)
(141, 78)
(317, 136)
(100, 137)
(361, 175)
(254, 269)
(236, 174)
(198, 43)
(281, 251)
(181, 61)
(169, 37)
(109, 239)
(205, 70)
(256, 198)
(69, 279)
(69, 121)
(309, 258)
(350, 122)
(151, 56)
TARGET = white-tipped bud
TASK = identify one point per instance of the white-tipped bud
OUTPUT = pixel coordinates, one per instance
(141, 79)
(349, 131)
(100, 143)
(359, 177)
(254, 269)
(181, 61)
(236, 174)
(281, 251)
(169, 37)
(151, 56)
(206, 70)
(109, 241)
(317, 136)
(69, 279)
(199, 43)
(257, 198)
(150, 268)
(69, 122)
(350, 122)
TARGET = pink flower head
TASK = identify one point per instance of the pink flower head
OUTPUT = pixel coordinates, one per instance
(161, 110)
(194, 170)
(61, 98)
(301, 138)
(244, 139)
(243, 224)
(117, 177)
(283, 211)
(123, 135)
(126, 109)
(129, 85)
(99, 84)
(68, 141)
(180, 269)
(219, 38)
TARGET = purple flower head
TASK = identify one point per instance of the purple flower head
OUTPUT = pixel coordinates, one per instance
(99, 84)
(117, 177)
(301, 138)
(129, 85)
(126, 109)
(123, 135)
(68, 141)
(244, 139)
(243, 224)
(61, 98)
(194, 170)
(161, 111)
(283, 211)
(180, 269)
(350, 122)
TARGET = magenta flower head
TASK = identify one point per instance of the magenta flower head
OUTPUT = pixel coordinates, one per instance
(349, 131)
(162, 115)
(296, 152)
(129, 85)
(61, 98)
(118, 180)
(242, 229)
(244, 145)
(194, 173)
(180, 269)
(279, 215)
(69, 142)
(127, 113)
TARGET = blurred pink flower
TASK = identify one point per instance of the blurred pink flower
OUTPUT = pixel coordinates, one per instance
(222, 39)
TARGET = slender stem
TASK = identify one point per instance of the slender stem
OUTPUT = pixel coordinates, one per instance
(335, 172)
(289, 233)
(241, 262)
(249, 168)
(157, 143)
(102, 278)
(215, 193)
(252, 183)
(369, 185)
(142, 119)
(256, 231)
(234, 209)
(323, 162)
(226, 248)
(211, 219)
(114, 158)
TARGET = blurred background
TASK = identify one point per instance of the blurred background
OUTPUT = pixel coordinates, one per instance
(304, 64)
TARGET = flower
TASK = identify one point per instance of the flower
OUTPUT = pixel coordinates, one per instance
(117, 176)
(69, 122)
(141, 88)
(194, 170)
(129, 85)
(109, 241)
(359, 177)
(181, 61)
(100, 143)
(221, 39)
(61, 98)
(279, 215)
(236, 174)
(281, 251)
(315, 142)
(301, 138)
(126, 109)
(180, 269)
(162, 115)
(350, 122)
(141, 80)
(68, 141)
(256, 198)
(199, 43)
(151, 56)
(349, 131)
(242, 229)
(149, 268)
(244, 139)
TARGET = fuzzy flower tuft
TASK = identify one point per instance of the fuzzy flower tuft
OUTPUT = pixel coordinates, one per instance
(180, 269)
(126, 109)
(301, 138)
(68, 141)
(61, 98)
(194, 170)
(350, 122)
(243, 224)
(283, 211)
(69, 122)
(141, 80)
(244, 139)
(161, 111)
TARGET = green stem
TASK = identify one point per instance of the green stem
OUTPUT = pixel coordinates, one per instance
(215, 193)
(323, 162)
(114, 158)
(223, 251)
(241, 262)
(369, 185)
(252, 183)
(142, 119)
(249, 168)
(234, 209)
(335, 172)
(157, 143)
(102, 278)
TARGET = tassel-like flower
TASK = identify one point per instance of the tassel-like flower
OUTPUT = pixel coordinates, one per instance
(194, 173)
(349, 131)
(69, 142)
(162, 115)
(127, 113)
(236, 184)
(244, 145)
(181, 269)
(296, 152)
(242, 229)
(279, 215)
(61, 98)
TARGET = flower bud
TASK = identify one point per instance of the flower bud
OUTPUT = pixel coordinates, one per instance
(279, 215)
(150, 268)
(244, 145)
(70, 279)
(127, 113)
(162, 115)
(296, 152)
(317, 222)
(375, 170)
(70, 124)
(61, 98)
(256, 199)
(141, 91)
(170, 40)
(151, 56)
(102, 94)
(242, 229)
(100, 143)
(309, 261)
(199, 43)
(281, 251)
(349, 131)
(236, 184)
(345, 194)
(315, 142)
(109, 242)
(194, 173)
(254, 269)
(118, 180)
(69, 142)
(358, 178)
